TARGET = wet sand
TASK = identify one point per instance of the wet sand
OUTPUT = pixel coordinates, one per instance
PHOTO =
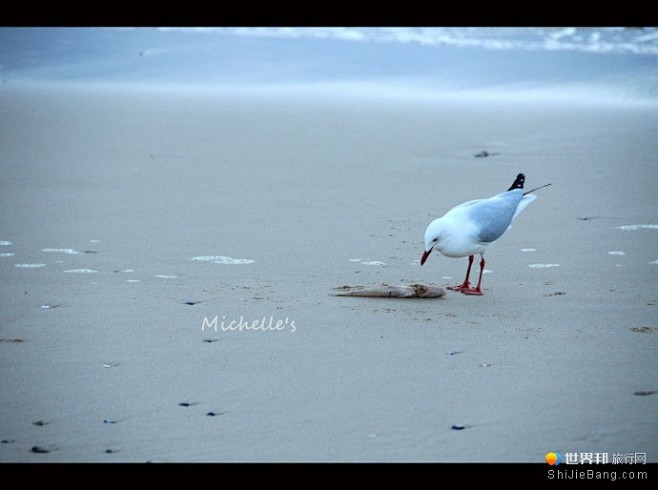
(121, 347)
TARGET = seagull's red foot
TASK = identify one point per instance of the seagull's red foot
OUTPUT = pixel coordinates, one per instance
(472, 291)
(460, 287)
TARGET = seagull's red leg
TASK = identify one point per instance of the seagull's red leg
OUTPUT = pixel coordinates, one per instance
(465, 285)
(476, 291)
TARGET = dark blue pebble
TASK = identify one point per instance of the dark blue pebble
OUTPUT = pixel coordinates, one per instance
(457, 427)
(184, 404)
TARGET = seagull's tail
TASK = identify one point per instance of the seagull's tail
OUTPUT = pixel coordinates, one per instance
(523, 203)
(518, 183)
(526, 199)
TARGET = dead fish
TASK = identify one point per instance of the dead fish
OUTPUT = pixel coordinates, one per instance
(385, 291)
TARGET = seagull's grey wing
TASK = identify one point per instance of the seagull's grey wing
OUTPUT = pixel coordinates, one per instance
(493, 216)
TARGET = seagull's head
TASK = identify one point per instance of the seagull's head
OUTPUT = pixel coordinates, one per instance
(432, 238)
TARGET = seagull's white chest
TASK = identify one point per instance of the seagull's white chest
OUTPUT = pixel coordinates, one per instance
(460, 241)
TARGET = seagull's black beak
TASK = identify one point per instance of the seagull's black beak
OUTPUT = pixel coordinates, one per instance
(426, 254)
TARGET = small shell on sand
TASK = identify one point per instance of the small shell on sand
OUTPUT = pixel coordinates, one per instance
(386, 291)
(39, 449)
(485, 154)
(643, 329)
(187, 404)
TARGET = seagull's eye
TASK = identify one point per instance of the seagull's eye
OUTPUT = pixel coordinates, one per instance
(435, 240)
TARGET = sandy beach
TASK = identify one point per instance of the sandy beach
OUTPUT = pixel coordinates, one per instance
(131, 219)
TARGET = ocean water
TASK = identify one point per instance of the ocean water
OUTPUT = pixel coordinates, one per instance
(599, 65)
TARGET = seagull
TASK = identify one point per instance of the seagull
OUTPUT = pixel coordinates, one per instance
(469, 228)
